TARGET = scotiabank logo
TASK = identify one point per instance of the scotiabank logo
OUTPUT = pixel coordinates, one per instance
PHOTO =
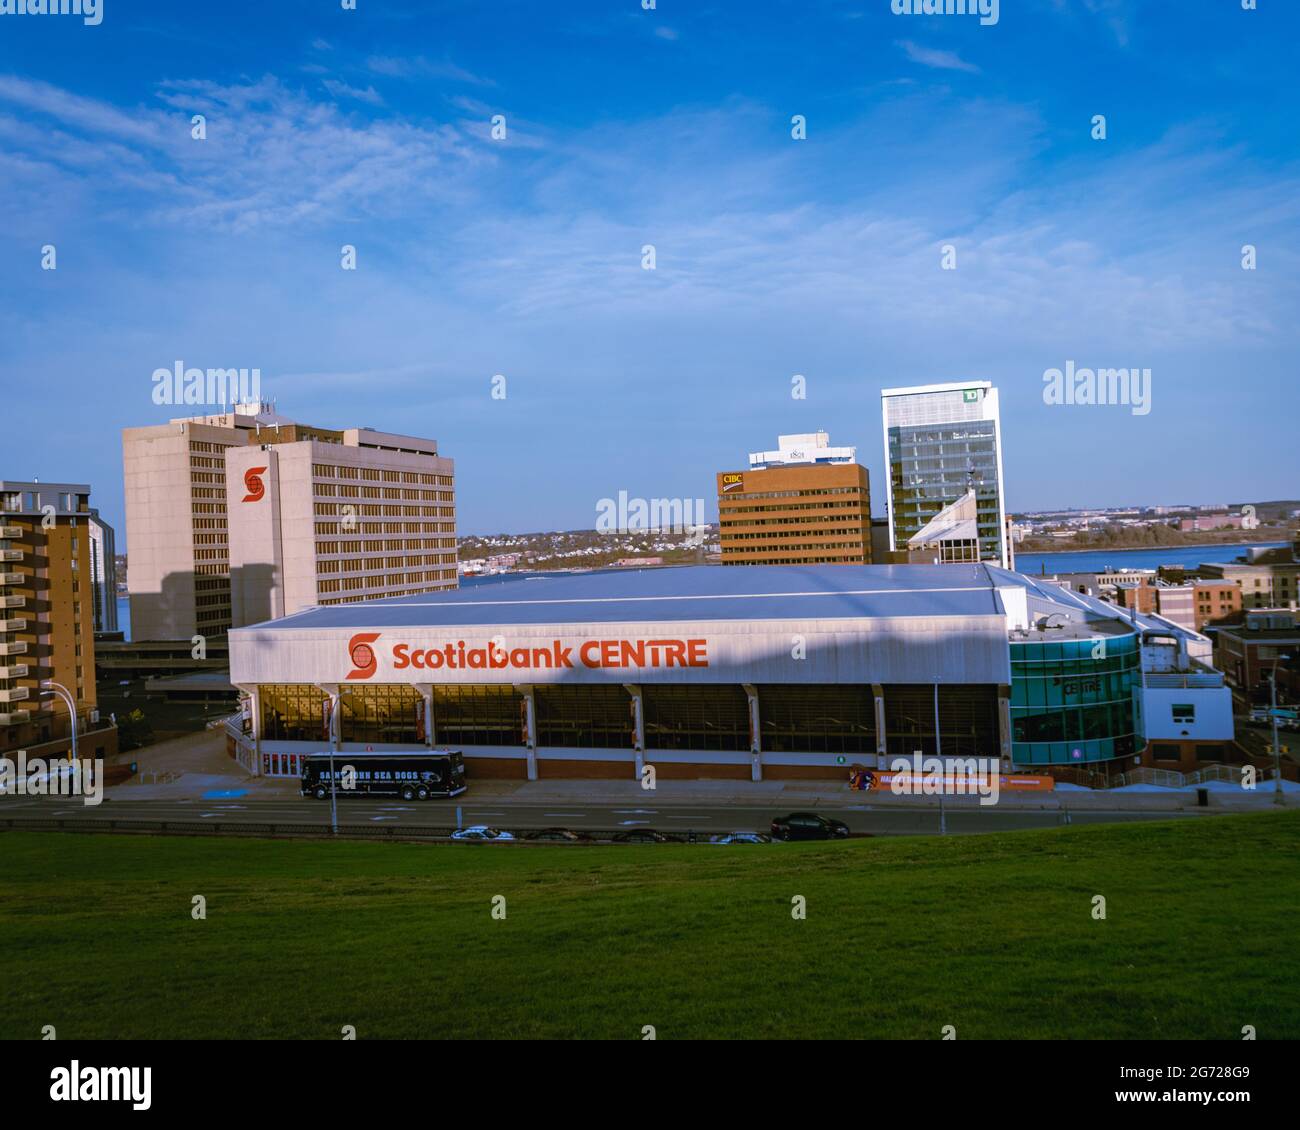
(461, 656)
(362, 654)
(253, 482)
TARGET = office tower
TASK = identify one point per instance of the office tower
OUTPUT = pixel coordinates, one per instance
(941, 443)
(178, 521)
(47, 624)
(806, 503)
(322, 521)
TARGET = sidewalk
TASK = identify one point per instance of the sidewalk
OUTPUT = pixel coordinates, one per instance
(201, 767)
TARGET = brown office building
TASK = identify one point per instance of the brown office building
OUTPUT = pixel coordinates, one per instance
(805, 504)
(47, 620)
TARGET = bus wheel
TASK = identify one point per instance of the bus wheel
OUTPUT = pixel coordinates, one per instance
(408, 793)
(421, 793)
(321, 792)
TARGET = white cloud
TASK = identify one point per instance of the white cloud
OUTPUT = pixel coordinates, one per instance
(343, 90)
(940, 60)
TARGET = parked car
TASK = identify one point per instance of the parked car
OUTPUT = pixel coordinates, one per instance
(645, 836)
(558, 835)
(808, 826)
(741, 838)
(481, 833)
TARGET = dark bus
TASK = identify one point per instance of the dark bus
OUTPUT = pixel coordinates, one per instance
(411, 776)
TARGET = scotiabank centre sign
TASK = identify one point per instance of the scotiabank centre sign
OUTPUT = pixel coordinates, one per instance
(460, 655)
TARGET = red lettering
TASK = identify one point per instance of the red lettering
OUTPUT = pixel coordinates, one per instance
(400, 660)
(697, 653)
(584, 653)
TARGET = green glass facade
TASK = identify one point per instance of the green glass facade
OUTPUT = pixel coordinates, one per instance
(1073, 701)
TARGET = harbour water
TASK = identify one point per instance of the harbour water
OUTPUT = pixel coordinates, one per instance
(1098, 559)
(1031, 563)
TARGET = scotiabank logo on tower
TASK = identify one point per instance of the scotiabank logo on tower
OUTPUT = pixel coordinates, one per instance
(253, 483)
(460, 655)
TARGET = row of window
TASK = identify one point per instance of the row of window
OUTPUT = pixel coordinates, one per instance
(793, 718)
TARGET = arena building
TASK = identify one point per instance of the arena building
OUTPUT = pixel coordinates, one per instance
(769, 671)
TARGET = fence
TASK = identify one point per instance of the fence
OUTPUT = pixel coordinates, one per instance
(277, 830)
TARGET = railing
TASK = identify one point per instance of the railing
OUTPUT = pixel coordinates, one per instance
(245, 752)
(1182, 681)
(278, 830)
(1169, 778)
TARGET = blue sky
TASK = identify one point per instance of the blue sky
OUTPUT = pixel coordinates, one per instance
(669, 127)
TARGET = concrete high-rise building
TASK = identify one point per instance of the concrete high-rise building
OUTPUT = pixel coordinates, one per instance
(103, 573)
(47, 623)
(334, 522)
(329, 532)
(941, 442)
(806, 503)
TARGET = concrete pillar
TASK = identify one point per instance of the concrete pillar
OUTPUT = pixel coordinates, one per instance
(1004, 724)
(882, 751)
(430, 730)
(638, 726)
(755, 734)
(530, 728)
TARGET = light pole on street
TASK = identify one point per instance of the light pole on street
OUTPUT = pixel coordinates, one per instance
(1277, 745)
(51, 687)
(335, 703)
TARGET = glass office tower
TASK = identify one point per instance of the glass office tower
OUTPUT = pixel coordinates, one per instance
(940, 442)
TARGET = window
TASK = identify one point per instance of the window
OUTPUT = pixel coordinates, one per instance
(1184, 714)
(590, 716)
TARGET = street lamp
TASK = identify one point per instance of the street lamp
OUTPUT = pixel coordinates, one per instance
(51, 687)
(1277, 745)
(335, 736)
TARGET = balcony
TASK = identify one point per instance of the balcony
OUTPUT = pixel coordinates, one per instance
(15, 601)
(12, 625)
(15, 694)
(16, 671)
(11, 531)
(15, 647)
(11, 578)
(11, 554)
(14, 717)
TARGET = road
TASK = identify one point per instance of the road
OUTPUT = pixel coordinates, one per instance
(884, 819)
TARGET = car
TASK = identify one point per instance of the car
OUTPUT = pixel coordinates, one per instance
(481, 834)
(558, 835)
(741, 838)
(808, 826)
(645, 836)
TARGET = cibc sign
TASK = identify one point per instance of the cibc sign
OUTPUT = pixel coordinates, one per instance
(463, 655)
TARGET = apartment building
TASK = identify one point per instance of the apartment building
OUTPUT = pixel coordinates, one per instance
(1268, 577)
(368, 498)
(47, 623)
(806, 503)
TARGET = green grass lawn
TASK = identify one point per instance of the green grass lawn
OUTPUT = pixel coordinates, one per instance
(992, 934)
